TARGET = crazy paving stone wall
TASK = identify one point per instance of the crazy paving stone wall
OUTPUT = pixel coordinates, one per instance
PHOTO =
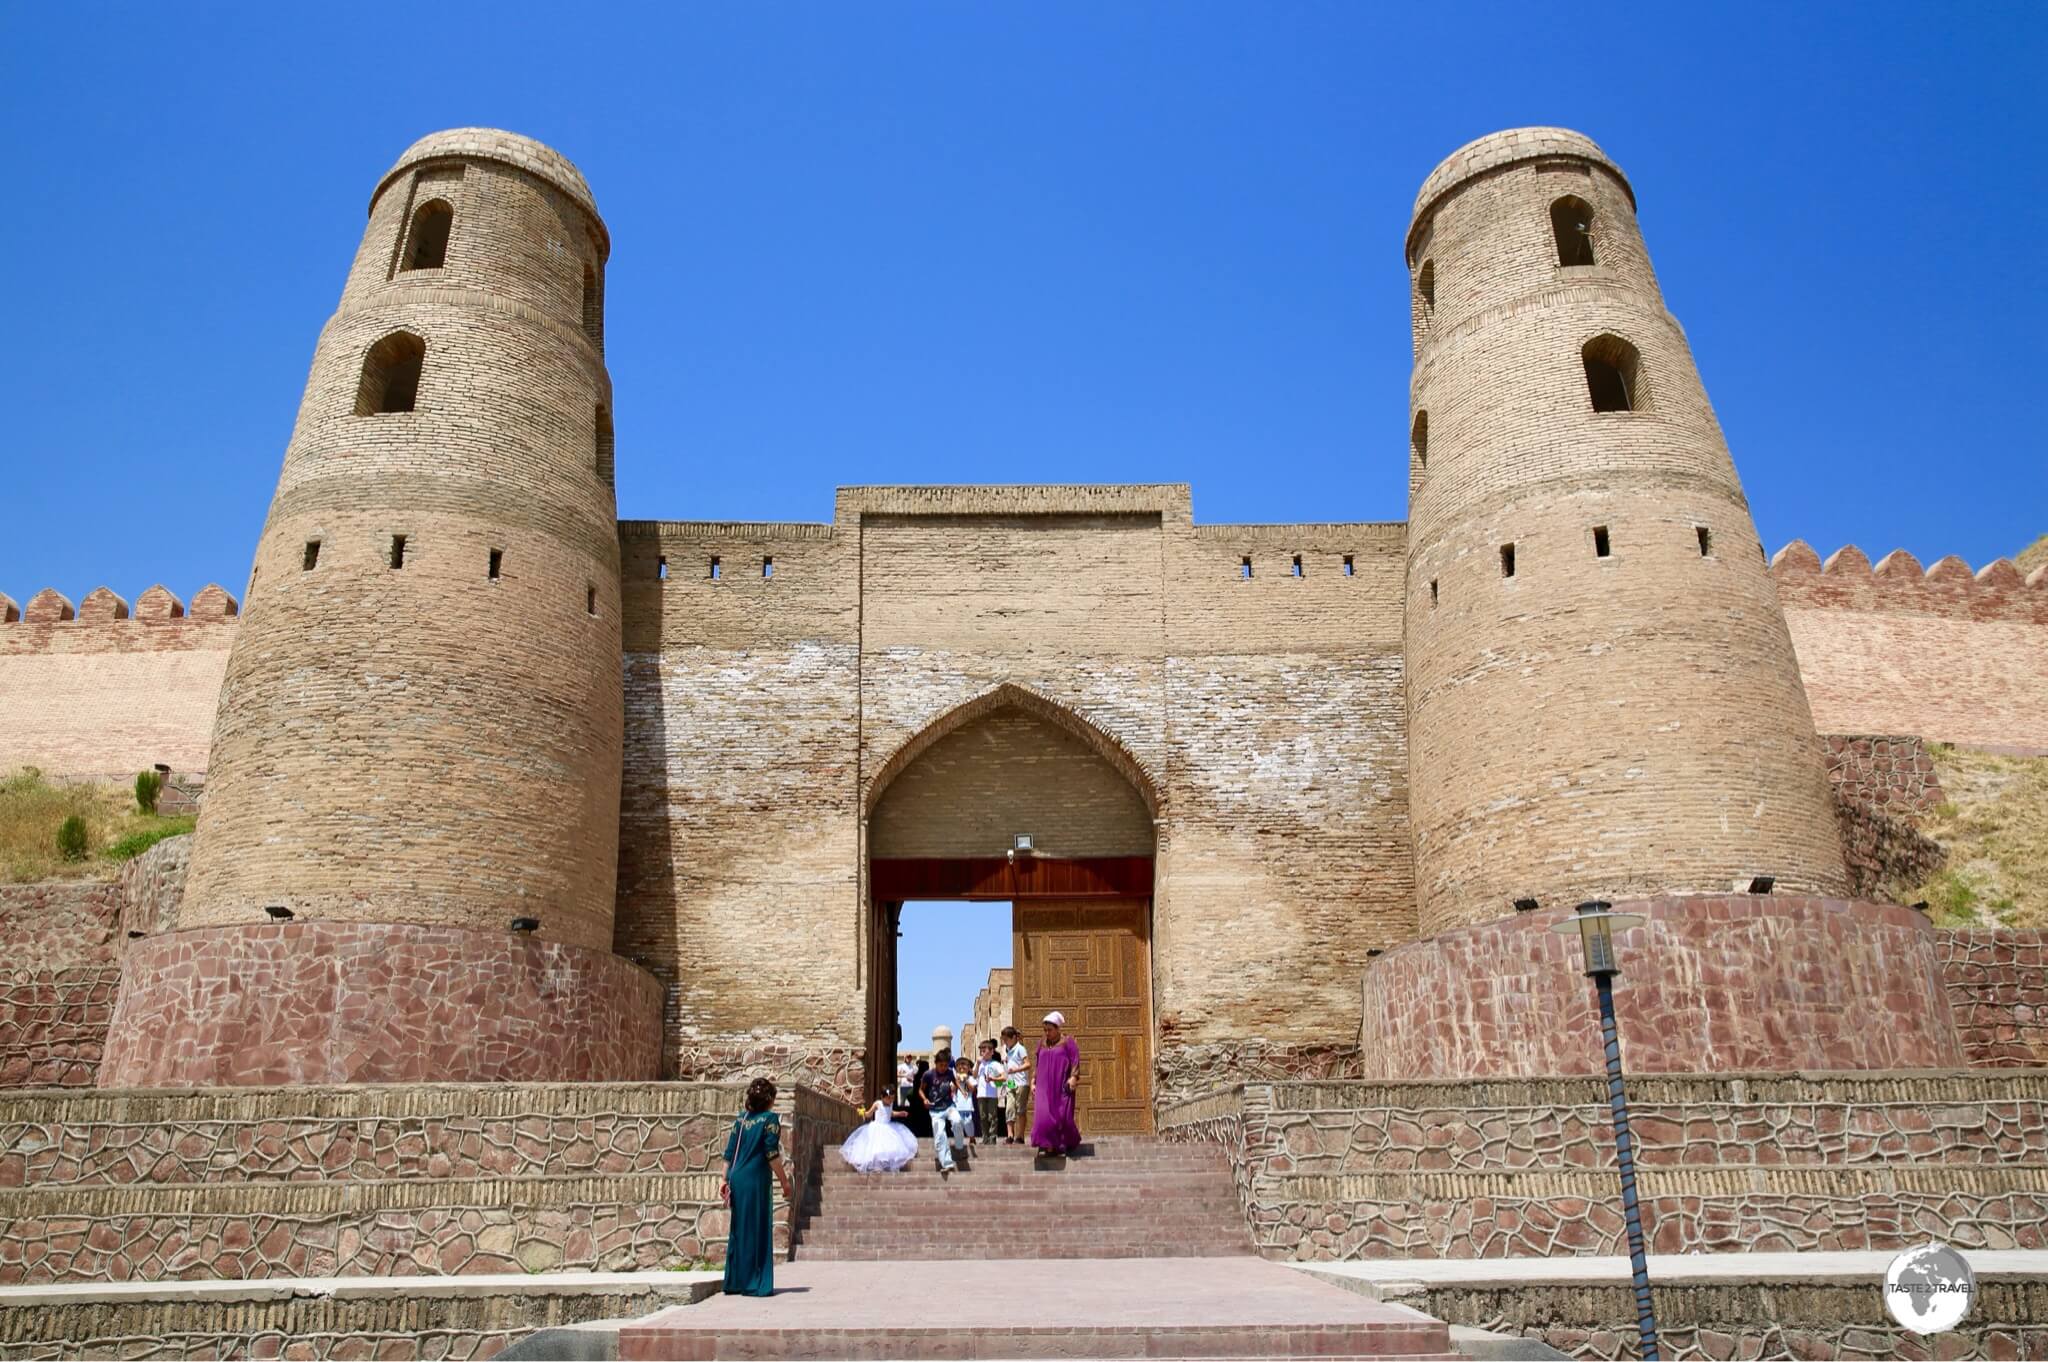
(1997, 984)
(59, 969)
(1525, 1168)
(434, 1179)
(1722, 1321)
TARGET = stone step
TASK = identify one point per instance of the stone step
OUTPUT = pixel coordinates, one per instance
(1192, 1307)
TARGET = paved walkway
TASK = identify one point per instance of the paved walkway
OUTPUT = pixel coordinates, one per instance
(1132, 1307)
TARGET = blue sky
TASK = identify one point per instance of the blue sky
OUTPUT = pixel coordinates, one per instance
(1015, 243)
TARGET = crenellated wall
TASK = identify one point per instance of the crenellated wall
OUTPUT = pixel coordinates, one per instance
(1945, 653)
(102, 690)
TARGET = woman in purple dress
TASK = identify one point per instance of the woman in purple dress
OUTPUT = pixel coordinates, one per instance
(1059, 1067)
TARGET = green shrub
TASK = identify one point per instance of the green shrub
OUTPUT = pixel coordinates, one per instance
(71, 838)
(135, 843)
(148, 785)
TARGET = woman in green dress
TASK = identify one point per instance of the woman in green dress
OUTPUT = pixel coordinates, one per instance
(753, 1151)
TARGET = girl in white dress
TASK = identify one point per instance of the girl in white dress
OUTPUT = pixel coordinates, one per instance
(880, 1145)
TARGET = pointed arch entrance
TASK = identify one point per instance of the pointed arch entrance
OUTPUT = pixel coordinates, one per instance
(942, 819)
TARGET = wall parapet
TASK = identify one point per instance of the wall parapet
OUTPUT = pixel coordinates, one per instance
(1898, 584)
(104, 622)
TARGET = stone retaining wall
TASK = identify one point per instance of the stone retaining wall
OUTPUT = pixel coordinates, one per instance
(347, 1324)
(1506, 1168)
(328, 1001)
(1743, 1320)
(1997, 985)
(376, 1181)
(1710, 984)
(58, 975)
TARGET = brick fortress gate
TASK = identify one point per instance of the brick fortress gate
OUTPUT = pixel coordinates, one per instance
(509, 795)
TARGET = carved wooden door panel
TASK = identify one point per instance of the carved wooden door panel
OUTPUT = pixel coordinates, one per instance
(1092, 960)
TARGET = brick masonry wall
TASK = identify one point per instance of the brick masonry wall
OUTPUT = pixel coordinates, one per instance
(1723, 1322)
(58, 983)
(1585, 726)
(1095, 628)
(1708, 985)
(1997, 985)
(1525, 1167)
(430, 1179)
(429, 743)
(101, 690)
(338, 1002)
(1944, 653)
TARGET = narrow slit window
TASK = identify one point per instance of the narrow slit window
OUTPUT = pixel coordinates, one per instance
(391, 375)
(1601, 548)
(1432, 593)
(714, 567)
(1425, 294)
(397, 559)
(1614, 377)
(1244, 569)
(1507, 560)
(767, 567)
(1418, 441)
(590, 600)
(661, 568)
(1706, 539)
(497, 565)
(593, 308)
(1348, 566)
(1571, 224)
(601, 443)
(1297, 565)
(426, 245)
(312, 559)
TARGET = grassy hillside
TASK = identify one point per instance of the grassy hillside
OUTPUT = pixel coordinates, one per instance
(1994, 823)
(2032, 556)
(32, 809)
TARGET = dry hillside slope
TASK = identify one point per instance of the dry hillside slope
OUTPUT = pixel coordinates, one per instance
(1993, 822)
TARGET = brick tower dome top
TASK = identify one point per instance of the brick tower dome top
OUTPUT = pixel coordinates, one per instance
(1498, 149)
(495, 144)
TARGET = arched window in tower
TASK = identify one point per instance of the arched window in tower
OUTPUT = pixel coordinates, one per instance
(391, 375)
(593, 308)
(602, 444)
(426, 244)
(1418, 441)
(1614, 375)
(1571, 223)
(1425, 295)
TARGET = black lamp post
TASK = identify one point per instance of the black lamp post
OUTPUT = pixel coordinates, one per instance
(1595, 923)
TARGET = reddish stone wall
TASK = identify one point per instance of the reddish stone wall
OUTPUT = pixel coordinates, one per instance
(340, 1002)
(1727, 1163)
(1709, 985)
(57, 980)
(1892, 774)
(1947, 654)
(409, 1179)
(1997, 983)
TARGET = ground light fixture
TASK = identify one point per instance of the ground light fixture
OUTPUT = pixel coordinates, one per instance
(279, 913)
(1762, 884)
(1526, 905)
(1595, 922)
(525, 924)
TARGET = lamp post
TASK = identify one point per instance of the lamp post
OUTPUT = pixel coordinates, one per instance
(1595, 923)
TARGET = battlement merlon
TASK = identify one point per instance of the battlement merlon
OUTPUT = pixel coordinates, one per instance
(103, 606)
(1899, 585)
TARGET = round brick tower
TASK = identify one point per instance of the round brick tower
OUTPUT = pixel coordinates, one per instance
(417, 752)
(1602, 695)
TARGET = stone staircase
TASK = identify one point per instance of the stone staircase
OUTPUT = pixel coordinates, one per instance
(1121, 1197)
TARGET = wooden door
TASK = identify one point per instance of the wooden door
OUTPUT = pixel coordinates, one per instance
(1092, 960)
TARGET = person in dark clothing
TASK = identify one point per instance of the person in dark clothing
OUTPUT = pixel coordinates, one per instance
(752, 1152)
(919, 1116)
